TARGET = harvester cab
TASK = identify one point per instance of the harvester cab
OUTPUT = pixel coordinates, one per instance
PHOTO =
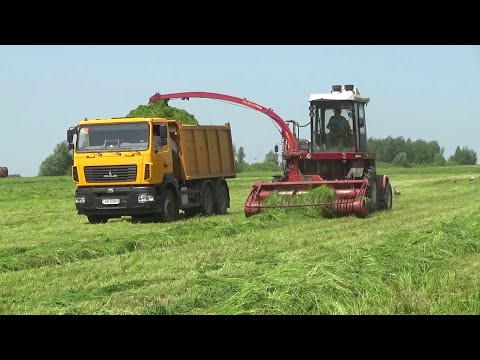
(333, 154)
(337, 121)
(335, 147)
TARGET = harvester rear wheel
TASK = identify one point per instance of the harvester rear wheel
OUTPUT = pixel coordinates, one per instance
(169, 207)
(208, 200)
(371, 176)
(385, 202)
(221, 203)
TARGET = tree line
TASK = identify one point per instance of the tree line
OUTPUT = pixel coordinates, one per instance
(269, 163)
(396, 151)
(400, 152)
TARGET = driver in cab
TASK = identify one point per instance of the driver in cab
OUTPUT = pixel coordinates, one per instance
(339, 127)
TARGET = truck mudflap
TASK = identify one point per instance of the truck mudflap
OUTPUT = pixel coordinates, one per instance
(117, 201)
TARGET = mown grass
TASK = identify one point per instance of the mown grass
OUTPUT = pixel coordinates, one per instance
(420, 258)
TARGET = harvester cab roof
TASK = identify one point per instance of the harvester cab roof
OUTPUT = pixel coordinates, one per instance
(339, 93)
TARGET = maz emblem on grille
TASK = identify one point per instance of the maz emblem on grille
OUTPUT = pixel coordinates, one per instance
(110, 175)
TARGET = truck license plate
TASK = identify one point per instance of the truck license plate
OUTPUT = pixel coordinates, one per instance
(110, 201)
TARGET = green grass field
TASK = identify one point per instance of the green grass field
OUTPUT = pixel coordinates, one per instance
(422, 257)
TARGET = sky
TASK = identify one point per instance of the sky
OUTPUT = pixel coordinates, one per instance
(419, 92)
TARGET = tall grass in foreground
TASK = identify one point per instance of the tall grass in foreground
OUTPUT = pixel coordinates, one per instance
(420, 258)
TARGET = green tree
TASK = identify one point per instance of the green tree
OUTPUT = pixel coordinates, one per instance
(163, 110)
(271, 157)
(418, 151)
(464, 156)
(241, 155)
(439, 160)
(401, 160)
(59, 163)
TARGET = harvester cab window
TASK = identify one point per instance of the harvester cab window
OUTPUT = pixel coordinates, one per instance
(339, 128)
(362, 128)
(333, 126)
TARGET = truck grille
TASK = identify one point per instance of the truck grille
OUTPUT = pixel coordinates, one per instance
(111, 173)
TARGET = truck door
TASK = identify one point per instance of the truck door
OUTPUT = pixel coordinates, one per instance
(162, 156)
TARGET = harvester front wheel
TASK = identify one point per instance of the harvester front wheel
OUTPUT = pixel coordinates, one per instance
(169, 207)
(385, 202)
(221, 203)
(208, 200)
(372, 189)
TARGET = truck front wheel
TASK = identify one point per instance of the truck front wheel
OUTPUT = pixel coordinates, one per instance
(169, 207)
(97, 219)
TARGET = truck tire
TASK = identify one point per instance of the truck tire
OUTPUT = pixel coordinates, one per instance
(97, 219)
(223, 199)
(144, 218)
(208, 200)
(191, 212)
(169, 207)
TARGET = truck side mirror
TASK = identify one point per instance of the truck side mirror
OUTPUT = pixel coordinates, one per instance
(70, 136)
(276, 148)
(163, 131)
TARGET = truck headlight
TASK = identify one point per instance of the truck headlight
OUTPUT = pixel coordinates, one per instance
(145, 198)
(79, 199)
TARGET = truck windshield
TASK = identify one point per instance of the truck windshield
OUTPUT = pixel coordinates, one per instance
(113, 137)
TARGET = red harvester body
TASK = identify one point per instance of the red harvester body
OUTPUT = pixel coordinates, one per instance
(334, 157)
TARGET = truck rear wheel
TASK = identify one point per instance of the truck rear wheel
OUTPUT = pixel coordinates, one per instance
(222, 200)
(208, 200)
(97, 219)
(169, 207)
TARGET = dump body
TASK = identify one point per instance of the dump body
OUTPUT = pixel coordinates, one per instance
(150, 166)
(206, 151)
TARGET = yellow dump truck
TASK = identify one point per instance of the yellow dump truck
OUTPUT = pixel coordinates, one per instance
(150, 168)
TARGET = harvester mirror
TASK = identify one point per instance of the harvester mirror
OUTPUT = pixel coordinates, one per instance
(276, 148)
(70, 146)
(361, 122)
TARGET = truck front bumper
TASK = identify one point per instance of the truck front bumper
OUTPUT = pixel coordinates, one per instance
(115, 201)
